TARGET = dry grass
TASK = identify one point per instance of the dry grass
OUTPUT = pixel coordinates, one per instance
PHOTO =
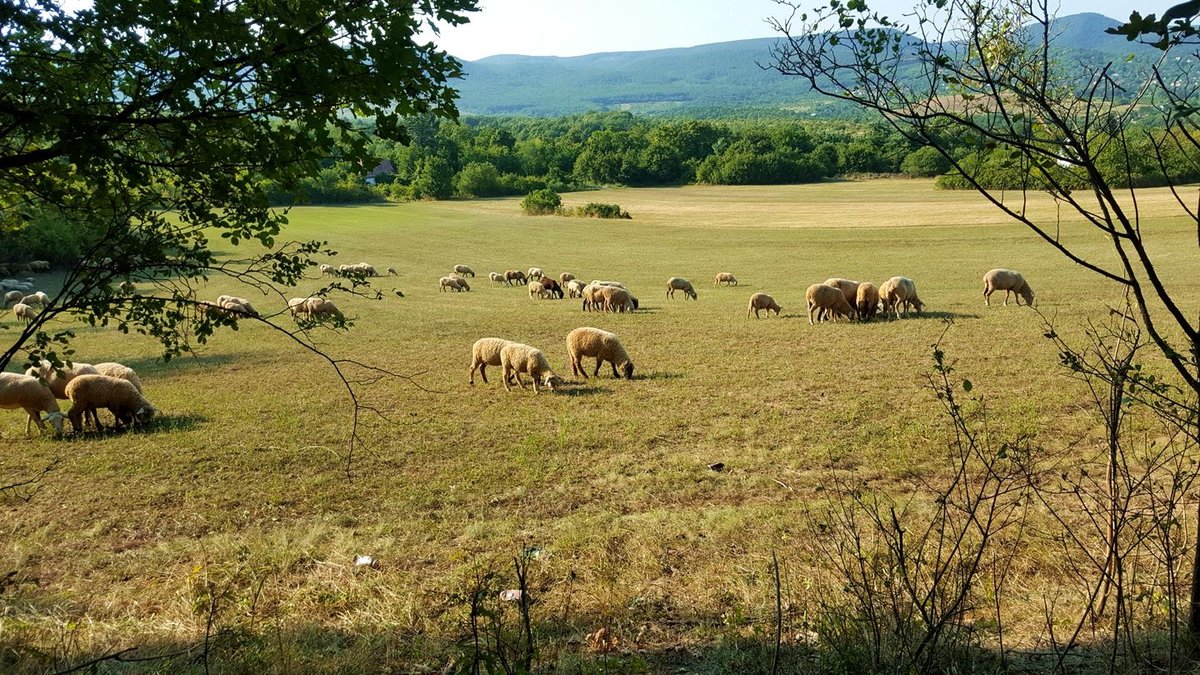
(243, 480)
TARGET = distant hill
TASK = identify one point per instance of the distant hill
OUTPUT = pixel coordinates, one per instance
(707, 80)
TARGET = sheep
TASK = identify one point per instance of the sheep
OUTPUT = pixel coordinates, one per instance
(591, 297)
(392, 271)
(867, 301)
(320, 308)
(680, 284)
(847, 287)
(24, 312)
(126, 288)
(462, 284)
(39, 266)
(552, 287)
(516, 358)
(608, 283)
(496, 277)
(327, 270)
(119, 371)
(601, 345)
(13, 297)
(515, 276)
(535, 273)
(1009, 281)
(616, 299)
(295, 305)
(897, 292)
(365, 269)
(450, 283)
(575, 288)
(536, 290)
(34, 397)
(486, 352)
(565, 277)
(761, 301)
(57, 383)
(35, 300)
(826, 301)
(725, 278)
(88, 393)
(235, 306)
(464, 270)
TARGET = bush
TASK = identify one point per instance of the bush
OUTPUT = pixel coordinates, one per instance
(594, 210)
(46, 237)
(925, 162)
(541, 202)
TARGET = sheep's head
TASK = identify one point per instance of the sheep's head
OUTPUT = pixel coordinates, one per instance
(628, 370)
(553, 381)
(56, 418)
(918, 304)
(691, 294)
(1027, 293)
(144, 414)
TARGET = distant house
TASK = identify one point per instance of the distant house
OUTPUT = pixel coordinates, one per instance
(384, 168)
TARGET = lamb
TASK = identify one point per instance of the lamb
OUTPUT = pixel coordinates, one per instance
(725, 278)
(88, 393)
(24, 312)
(826, 301)
(1009, 281)
(601, 345)
(760, 301)
(486, 352)
(536, 290)
(464, 270)
(517, 358)
(575, 288)
(552, 287)
(515, 276)
(13, 297)
(680, 284)
(57, 383)
(867, 300)
(34, 397)
(119, 371)
(847, 287)
(535, 273)
(565, 277)
(897, 292)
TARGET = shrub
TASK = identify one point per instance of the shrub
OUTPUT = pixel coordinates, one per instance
(479, 179)
(594, 210)
(541, 202)
(924, 162)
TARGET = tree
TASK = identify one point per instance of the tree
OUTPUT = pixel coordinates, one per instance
(924, 163)
(157, 125)
(987, 72)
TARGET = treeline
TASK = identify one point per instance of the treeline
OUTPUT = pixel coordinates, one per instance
(499, 156)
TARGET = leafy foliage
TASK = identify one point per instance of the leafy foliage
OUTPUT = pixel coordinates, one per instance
(541, 202)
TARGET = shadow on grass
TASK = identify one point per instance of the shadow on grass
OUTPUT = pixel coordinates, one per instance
(179, 363)
(583, 390)
(159, 425)
(658, 375)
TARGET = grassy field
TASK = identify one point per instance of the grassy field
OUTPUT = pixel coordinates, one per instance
(238, 499)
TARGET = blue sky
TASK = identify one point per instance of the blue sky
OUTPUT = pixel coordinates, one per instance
(573, 27)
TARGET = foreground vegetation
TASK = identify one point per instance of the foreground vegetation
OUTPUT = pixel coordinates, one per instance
(233, 517)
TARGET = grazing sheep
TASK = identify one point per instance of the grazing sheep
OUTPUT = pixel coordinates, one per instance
(361, 269)
(1009, 281)
(680, 284)
(552, 287)
(608, 283)
(825, 302)
(34, 397)
(496, 277)
(725, 278)
(392, 272)
(847, 287)
(13, 297)
(515, 276)
(24, 312)
(575, 288)
(536, 291)
(517, 358)
(39, 266)
(89, 393)
(486, 352)
(616, 299)
(119, 371)
(235, 306)
(899, 292)
(35, 300)
(450, 283)
(327, 270)
(867, 301)
(761, 301)
(535, 273)
(126, 288)
(295, 305)
(320, 308)
(58, 383)
(601, 345)
(464, 270)
(565, 277)
(462, 283)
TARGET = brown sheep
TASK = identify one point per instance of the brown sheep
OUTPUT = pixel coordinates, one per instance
(1009, 281)
(825, 302)
(867, 301)
(760, 301)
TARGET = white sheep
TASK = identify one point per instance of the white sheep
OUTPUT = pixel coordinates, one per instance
(591, 297)
(1009, 281)
(496, 277)
(607, 283)
(516, 358)
(35, 300)
(126, 287)
(866, 301)
(452, 283)
(327, 270)
(565, 277)
(486, 352)
(538, 291)
(761, 301)
(897, 293)
(535, 273)
(13, 297)
(825, 302)
(89, 393)
(575, 288)
(119, 371)
(27, 393)
(680, 284)
(58, 382)
(847, 287)
(320, 308)
(616, 299)
(235, 306)
(600, 345)
(24, 312)
(725, 278)
(464, 270)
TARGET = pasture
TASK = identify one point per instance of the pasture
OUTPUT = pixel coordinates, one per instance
(238, 499)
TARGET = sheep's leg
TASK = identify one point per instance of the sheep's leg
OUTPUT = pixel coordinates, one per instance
(614, 367)
(987, 296)
(517, 376)
(599, 362)
(810, 316)
(1007, 292)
